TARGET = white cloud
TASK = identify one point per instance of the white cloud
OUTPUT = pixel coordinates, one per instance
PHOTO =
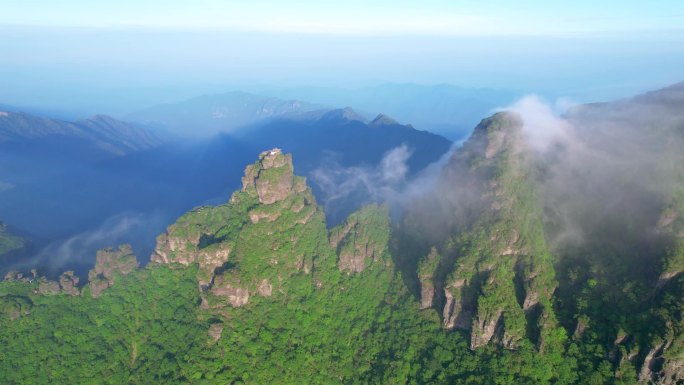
(541, 125)
(389, 182)
(135, 228)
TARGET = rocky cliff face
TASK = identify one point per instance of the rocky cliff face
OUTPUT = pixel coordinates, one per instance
(188, 241)
(109, 264)
(427, 270)
(68, 282)
(505, 200)
(205, 235)
(272, 177)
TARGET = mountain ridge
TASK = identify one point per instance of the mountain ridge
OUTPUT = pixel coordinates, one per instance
(212, 114)
(104, 132)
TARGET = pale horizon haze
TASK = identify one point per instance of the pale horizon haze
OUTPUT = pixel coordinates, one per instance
(119, 57)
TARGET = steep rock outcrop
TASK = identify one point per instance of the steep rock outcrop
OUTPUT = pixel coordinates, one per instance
(190, 240)
(206, 236)
(215, 331)
(672, 372)
(231, 290)
(272, 177)
(427, 269)
(68, 282)
(110, 263)
(269, 231)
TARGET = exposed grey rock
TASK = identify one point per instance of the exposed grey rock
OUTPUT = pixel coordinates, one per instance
(46, 287)
(426, 275)
(484, 328)
(265, 288)
(108, 264)
(69, 283)
(456, 315)
(235, 294)
(272, 177)
(215, 331)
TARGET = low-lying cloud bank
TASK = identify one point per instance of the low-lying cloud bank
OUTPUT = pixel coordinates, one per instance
(606, 169)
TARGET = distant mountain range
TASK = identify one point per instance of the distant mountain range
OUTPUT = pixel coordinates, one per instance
(663, 106)
(211, 114)
(346, 133)
(98, 133)
(444, 109)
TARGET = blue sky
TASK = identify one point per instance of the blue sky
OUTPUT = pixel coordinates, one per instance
(437, 17)
(69, 53)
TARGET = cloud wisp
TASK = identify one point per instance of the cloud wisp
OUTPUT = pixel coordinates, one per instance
(78, 251)
(390, 182)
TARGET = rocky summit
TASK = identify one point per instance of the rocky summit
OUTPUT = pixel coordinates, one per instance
(270, 234)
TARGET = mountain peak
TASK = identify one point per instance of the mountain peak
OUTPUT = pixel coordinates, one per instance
(271, 178)
(346, 113)
(384, 120)
(100, 118)
(500, 121)
(211, 114)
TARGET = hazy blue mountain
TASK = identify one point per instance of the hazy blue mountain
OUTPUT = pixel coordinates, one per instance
(51, 113)
(98, 133)
(346, 133)
(663, 106)
(211, 114)
(445, 109)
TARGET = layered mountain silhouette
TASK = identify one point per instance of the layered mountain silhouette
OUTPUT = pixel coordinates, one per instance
(211, 114)
(444, 109)
(96, 134)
